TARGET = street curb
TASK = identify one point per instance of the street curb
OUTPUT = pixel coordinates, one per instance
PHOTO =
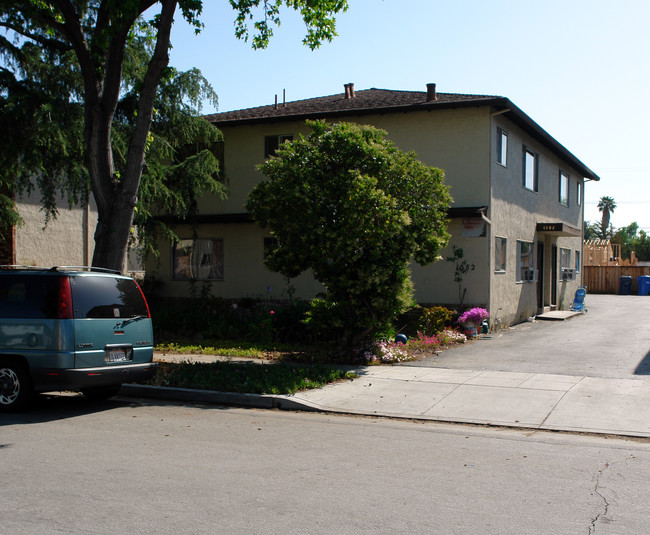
(259, 401)
(291, 403)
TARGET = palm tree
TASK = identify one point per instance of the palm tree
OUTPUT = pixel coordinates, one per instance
(606, 205)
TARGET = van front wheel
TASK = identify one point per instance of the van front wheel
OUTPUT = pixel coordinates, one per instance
(16, 389)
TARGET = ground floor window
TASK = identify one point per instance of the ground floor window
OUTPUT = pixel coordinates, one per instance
(566, 273)
(200, 259)
(500, 254)
(577, 261)
(525, 262)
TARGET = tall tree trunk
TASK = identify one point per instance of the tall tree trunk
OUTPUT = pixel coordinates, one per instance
(117, 198)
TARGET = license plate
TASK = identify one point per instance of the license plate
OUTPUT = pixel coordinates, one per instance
(116, 355)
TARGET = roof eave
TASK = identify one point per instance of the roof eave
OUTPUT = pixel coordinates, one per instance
(423, 106)
(524, 121)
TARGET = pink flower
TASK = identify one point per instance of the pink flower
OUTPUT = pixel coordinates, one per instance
(272, 312)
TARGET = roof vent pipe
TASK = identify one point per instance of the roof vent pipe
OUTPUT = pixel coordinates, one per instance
(349, 90)
(431, 92)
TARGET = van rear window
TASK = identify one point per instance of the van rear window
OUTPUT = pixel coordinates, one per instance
(28, 297)
(106, 297)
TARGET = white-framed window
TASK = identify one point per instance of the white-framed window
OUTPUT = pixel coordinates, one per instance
(271, 143)
(563, 189)
(577, 261)
(200, 259)
(579, 193)
(525, 262)
(530, 170)
(566, 271)
(500, 254)
(502, 147)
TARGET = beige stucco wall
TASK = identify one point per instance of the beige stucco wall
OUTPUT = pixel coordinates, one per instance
(434, 284)
(442, 139)
(515, 212)
(64, 241)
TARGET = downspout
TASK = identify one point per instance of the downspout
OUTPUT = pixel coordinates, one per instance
(488, 233)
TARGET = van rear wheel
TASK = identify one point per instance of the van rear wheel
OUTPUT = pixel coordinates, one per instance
(16, 390)
(100, 393)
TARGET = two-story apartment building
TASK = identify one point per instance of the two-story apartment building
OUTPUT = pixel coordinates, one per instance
(517, 211)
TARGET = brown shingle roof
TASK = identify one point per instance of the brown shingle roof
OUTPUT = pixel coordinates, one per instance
(365, 101)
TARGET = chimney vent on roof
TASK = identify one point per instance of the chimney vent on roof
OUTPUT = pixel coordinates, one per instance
(349, 90)
(431, 92)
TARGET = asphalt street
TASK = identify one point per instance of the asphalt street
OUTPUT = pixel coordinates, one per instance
(136, 466)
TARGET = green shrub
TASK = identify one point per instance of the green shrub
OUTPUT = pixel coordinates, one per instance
(433, 320)
(323, 320)
(227, 319)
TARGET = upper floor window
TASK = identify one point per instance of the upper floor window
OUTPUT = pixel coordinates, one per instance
(271, 143)
(530, 170)
(563, 189)
(502, 147)
(579, 193)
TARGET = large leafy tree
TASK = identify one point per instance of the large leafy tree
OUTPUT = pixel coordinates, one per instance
(632, 238)
(348, 204)
(87, 97)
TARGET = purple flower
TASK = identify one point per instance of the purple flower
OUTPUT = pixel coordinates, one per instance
(474, 315)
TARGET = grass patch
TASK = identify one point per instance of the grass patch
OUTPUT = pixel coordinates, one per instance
(274, 378)
(314, 353)
(222, 348)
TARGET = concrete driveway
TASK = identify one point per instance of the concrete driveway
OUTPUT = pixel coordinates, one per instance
(612, 340)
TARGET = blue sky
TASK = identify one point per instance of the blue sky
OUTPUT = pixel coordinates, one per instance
(579, 68)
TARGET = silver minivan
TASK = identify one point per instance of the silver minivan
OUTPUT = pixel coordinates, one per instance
(68, 328)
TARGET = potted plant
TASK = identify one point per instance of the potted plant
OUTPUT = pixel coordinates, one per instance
(472, 318)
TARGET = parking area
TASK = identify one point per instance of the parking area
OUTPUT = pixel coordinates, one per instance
(612, 340)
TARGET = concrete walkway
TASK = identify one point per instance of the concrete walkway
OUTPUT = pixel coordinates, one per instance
(536, 401)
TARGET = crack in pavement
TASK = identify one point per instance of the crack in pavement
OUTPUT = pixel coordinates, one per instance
(603, 514)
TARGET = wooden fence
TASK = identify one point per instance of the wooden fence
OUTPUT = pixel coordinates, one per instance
(606, 279)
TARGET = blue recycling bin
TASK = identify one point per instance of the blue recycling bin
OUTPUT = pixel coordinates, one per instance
(644, 284)
(625, 285)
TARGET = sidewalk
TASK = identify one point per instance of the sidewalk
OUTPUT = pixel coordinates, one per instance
(536, 401)
(511, 399)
